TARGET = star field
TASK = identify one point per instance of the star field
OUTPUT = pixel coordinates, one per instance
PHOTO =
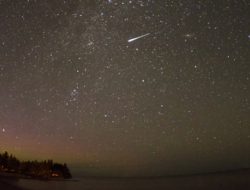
(128, 87)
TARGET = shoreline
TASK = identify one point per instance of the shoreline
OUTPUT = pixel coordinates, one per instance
(15, 177)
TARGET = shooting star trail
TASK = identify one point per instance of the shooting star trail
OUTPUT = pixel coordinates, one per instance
(136, 38)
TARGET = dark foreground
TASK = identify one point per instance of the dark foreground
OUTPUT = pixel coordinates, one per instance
(217, 181)
(9, 186)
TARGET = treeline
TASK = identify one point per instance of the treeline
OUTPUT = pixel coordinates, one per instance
(45, 169)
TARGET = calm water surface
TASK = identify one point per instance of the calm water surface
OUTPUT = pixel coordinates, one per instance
(95, 184)
(215, 182)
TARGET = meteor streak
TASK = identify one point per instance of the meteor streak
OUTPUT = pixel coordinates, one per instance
(136, 38)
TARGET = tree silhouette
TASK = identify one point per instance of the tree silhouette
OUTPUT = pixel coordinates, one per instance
(35, 169)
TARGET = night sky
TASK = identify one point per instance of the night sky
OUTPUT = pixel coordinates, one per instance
(126, 87)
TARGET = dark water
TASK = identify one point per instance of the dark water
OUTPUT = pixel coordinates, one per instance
(192, 182)
(95, 184)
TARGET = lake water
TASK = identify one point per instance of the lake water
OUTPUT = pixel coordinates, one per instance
(218, 181)
(94, 184)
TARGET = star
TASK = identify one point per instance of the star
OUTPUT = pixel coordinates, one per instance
(168, 77)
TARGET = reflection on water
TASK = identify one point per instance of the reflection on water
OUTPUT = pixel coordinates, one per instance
(47, 185)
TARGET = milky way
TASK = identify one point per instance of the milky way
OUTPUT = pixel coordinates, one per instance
(176, 100)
